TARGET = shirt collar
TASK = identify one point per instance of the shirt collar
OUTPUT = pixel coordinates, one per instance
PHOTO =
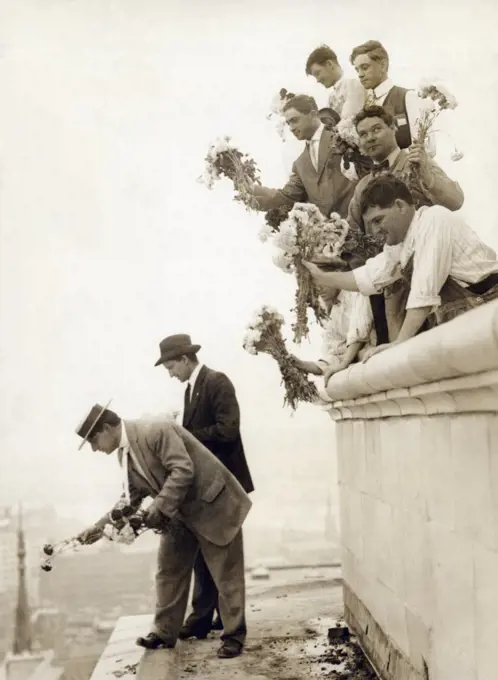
(407, 244)
(125, 442)
(383, 88)
(392, 158)
(193, 377)
(339, 83)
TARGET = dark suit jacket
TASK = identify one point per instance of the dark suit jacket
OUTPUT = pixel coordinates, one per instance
(326, 187)
(185, 479)
(213, 417)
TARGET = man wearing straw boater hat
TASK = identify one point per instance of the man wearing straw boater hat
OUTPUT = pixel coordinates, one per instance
(211, 413)
(198, 506)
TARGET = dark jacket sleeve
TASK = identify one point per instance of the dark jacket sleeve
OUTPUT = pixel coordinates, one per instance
(226, 412)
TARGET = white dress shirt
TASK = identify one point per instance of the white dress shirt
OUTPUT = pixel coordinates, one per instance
(414, 106)
(347, 97)
(124, 444)
(442, 245)
(314, 145)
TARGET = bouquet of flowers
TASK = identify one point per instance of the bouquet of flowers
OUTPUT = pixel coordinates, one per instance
(277, 111)
(439, 99)
(362, 245)
(264, 334)
(225, 160)
(346, 140)
(124, 525)
(307, 235)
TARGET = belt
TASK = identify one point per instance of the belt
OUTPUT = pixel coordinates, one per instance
(482, 287)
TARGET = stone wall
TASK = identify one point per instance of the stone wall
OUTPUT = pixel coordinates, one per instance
(417, 440)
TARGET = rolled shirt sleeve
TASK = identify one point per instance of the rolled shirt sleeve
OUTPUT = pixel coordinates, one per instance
(379, 271)
(432, 257)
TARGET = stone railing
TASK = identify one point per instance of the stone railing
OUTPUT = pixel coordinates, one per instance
(417, 442)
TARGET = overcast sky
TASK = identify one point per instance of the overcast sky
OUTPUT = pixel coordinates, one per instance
(108, 243)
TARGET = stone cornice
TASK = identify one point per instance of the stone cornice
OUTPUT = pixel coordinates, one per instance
(450, 369)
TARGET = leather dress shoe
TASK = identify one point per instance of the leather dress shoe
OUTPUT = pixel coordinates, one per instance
(153, 641)
(229, 649)
(187, 632)
(217, 624)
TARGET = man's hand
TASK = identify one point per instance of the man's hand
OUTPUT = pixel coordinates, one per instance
(90, 535)
(317, 274)
(154, 518)
(417, 155)
(330, 371)
(375, 350)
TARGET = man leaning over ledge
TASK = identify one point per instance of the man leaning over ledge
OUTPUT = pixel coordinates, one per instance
(198, 505)
(433, 266)
(316, 174)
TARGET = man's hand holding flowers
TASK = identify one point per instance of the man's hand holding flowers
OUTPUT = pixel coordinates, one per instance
(418, 157)
(155, 519)
(90, 535)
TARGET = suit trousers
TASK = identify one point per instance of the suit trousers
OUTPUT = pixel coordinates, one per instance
(204, 598)
(178, 549)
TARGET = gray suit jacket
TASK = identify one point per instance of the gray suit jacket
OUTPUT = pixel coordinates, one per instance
(326, 187)
(186, 481)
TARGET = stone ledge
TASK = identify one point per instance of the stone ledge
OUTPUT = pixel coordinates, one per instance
(387, 659)
(450, 369)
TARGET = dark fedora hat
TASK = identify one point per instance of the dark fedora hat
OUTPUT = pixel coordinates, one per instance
(90, 421)
(175, 346)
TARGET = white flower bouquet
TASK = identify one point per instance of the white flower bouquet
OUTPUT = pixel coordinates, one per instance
(277, 111)
(225, 160)
(307, 234)
(264, 334)
(439, 99)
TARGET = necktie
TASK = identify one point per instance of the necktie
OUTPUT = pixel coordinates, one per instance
(312, 151)
(126, 482)
(187, 396)
(371, 99)
(380, 167)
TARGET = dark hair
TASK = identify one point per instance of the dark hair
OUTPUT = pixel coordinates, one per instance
(192, 357)
(108, 417)
(383, 191)
(302, 103)
(373, 48)
(375, 112)
(320, 56)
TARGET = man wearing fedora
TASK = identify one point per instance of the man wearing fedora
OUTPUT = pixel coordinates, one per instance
(211, 413)
(198, 506)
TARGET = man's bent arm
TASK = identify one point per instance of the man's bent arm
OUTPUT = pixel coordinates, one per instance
(414, 319)
(293, 192)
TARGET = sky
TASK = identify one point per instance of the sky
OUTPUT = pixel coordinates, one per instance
(108, 242)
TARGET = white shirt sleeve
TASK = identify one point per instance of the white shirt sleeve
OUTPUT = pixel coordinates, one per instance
(432, 257)
(378, 271)
(361, 320)
(414, 106)
(355, 98)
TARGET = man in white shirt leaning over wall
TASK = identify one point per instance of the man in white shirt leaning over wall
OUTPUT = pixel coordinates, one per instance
(440, 266)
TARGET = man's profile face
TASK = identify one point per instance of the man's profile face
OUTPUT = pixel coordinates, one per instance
(371, 73)
(178, 368)
(391, 222)
(377, 139)
(325, 74)
(104, 441)
(302, 125)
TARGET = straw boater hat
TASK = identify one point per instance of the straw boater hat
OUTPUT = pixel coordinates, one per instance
(175, 346)
(90, 421)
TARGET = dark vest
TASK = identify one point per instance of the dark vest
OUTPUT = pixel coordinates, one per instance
(396, 105)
